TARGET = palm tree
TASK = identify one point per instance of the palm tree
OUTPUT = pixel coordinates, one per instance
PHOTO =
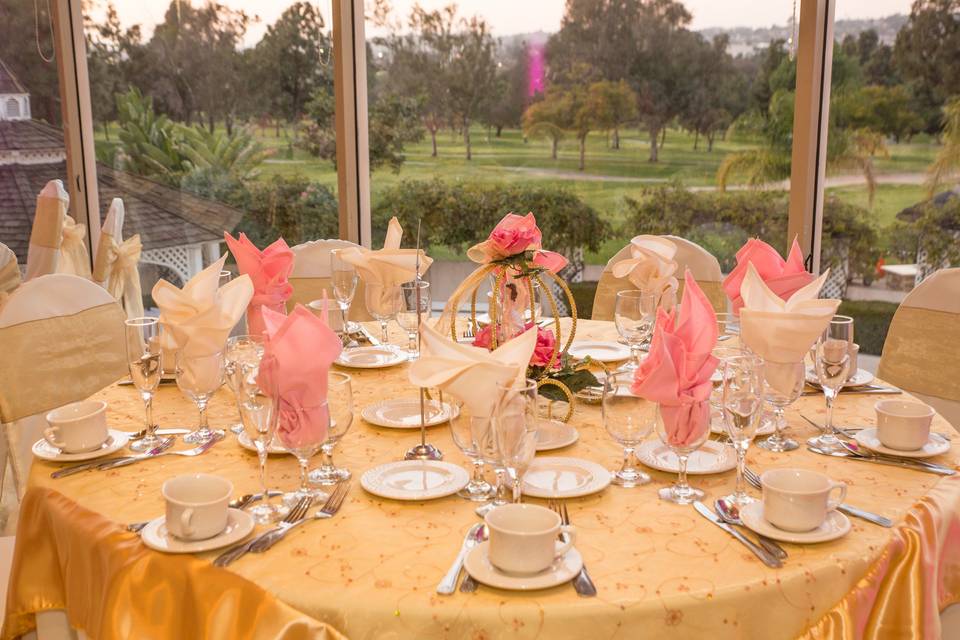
(947, 162)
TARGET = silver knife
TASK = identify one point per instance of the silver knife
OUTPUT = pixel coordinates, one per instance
(927, 467)
(856, 512)
(68, 471)
(449, 582)
(767, 558)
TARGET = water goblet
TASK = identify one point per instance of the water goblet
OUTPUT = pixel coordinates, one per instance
(259, 415)
(682, 442)
(489, 453)
(628, 419)
(340, 404)
(415, 300)
(383, 303)
(468, 431)
(784, 384)
(199, 377)
(728, 326)
(515, 427)
(634, 314)
(722, 354)
(243, 349)
(143, 359)
(343, 277)
(833, 367)
(742, 407)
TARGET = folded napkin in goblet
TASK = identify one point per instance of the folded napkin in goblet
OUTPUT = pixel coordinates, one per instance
(783, 277)
(651, 265)
(298, 351)
(677, 372)
(471, 374)
(269, 270)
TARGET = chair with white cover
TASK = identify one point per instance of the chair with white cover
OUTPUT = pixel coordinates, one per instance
(704, 267)
(921, 353)
(9, 271)
(115, 261)
(43, 252)
(311, 276)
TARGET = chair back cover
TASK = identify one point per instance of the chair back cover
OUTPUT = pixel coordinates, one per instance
(9, 271)
(311, 276)
(116, 260)
(922, 351)
(703, 266)
(43, 252)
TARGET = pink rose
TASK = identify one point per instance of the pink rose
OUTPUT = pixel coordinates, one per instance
(483, 339)
(515, 234)
(546, 343)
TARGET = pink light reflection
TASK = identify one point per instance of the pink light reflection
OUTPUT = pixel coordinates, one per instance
(536, 70)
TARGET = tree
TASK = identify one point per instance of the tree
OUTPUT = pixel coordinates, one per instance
(718, 98)
(472, 76)
(109, 51)
(613, 104)
(506, 104)
(548, 118)
(947, 162)
(887, 110)
(20, 49)
(772, 58)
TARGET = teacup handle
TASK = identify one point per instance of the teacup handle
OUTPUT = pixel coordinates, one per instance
(50, 434)
(833, 504)
(569, 534)
(185, 518)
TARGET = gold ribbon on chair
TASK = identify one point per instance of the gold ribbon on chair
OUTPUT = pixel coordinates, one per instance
(116, 268)
(605, 299)
(9, 277)
(48, 223)
(917, 338)
(73, 252)
(306, 290)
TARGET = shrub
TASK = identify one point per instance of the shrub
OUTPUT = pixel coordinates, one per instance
(288, 206)
(583, 293)
(871, 322)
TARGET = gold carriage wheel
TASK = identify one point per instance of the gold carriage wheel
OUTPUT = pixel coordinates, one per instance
(544, 382)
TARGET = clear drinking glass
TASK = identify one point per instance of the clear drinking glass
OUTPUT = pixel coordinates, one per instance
(244, 349)
(628, 419)
(343, 277)
(833, 369)
(515, 427)
(302, 431)
(383, 303)
(722, 354)
(784, 384)
(415, 294)
(143, 358)
(692, 438)
(728, 326)
(258, 411)
(340, 403)
(742, 408)
(198, 378)
(489, 450)
(468, 432)
(634, 314)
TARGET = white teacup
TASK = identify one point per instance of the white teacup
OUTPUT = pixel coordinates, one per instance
(334, 317)
(903, 425)
(523, 538)
(78, 427)
(197, 505)
(797, 499)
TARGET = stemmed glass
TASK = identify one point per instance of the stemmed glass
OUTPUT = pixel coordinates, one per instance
(784, 384)
(415, 295)
(728, 326)
(742, 408)
(682, 444)
(259, 413)
(198, 378)
(241, 327)
(833, 368)
(383, 303)
(244, 349)
(343, 277)
(340, 404)
(634, 315)
(515, 427)
(468, 431)
(143, 359)
(722, 354)
(628, 419)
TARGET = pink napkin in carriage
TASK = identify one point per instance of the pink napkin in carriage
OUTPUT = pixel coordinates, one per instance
(783, 277)
(677, 372)
(269, 270)
(298, 351)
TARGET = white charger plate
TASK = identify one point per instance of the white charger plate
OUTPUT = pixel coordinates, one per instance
(712, 457)
(404, 413)
(563, 570)
(936, 444)
(414, 479)
(860, 378)
(156, 536)
(275, 447)
(835, 526)
(559, 477)
(114, 442)
(375, 357)
(601, 351)
(553, 434)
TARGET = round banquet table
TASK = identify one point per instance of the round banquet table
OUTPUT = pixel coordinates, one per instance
(660, 569)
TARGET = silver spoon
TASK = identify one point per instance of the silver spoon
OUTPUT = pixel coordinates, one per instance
(730, 514)
(469, 584)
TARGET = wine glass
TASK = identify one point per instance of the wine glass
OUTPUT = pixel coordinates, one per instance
(415, 299)
(728, 326)
(628, 419)
(722, 354)
(243, 349)
(634, 315)
(833, 368)
(383, 303)
(340, 404)
(784, 384)
(683, 429)
(240, 328)
(198, 378)
(343, 277)
(468, 431)
(742, 408)
(259, 414)
(143, 359)
(515, 427)
(489, 451)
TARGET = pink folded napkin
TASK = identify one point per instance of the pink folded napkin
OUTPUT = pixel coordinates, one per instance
(297, 354)
(677, 372)
(512, 236)
(269, 270)
(784, 277)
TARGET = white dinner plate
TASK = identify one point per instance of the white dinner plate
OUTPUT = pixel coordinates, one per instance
(835, 526)
(156, 536)
(558, 477)
(563, 570)
(598, 350)
(275, 447)
(115, 441)
(860, 378)
(553, 434)
(936, 444)
(414, 479)
(712, 457)
(377, 357)
(766, 428)
(404, 413)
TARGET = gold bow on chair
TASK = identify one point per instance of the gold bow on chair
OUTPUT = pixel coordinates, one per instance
(73, 252)
(9, 277)
(116, 268)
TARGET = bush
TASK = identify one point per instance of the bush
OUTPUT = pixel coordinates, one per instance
(871, 322)
(583, 293)
(289, 206)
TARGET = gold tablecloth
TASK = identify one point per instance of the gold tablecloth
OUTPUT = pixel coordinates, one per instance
(660, 569)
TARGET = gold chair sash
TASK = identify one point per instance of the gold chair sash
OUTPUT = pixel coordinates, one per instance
(116, 268)
(606, 296)
(48, 222)
(73, 252)
(9, 277)
(921, 351)
(306, 290)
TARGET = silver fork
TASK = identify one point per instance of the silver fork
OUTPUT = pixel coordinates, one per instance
(469, 332)
(237, 551)
(582, 583)
(165, 444)
(196, 451)
(328, 510)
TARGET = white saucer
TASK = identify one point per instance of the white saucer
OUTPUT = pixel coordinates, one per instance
(275, 447)
(404, 413)
(156, 536)
(564, 569)
(860, 378)
(115, 441)
(936, 445)
(414, 479)
(377, 357)
(558, 477)
(553, 434)
(601, 351)
(835, 526)
(712, 457)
